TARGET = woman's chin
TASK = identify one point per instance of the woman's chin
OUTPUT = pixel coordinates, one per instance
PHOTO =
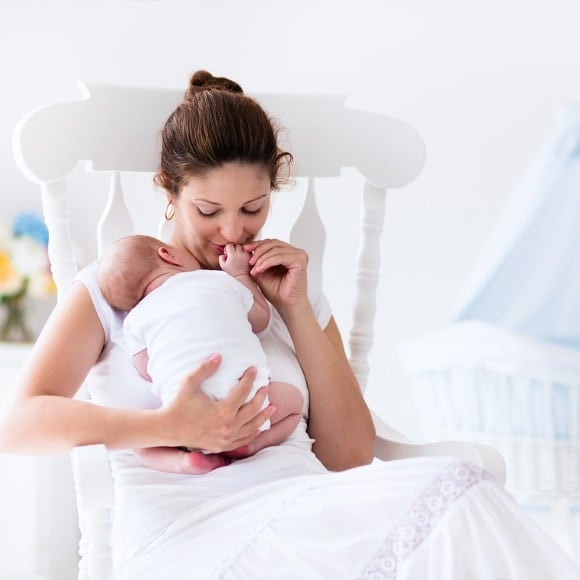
(212, 262)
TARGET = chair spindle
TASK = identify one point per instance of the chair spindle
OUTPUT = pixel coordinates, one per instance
(367, 279)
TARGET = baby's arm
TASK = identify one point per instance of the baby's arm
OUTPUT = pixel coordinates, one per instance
(141, 360)
(234, 261)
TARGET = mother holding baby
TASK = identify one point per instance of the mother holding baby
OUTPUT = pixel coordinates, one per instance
(314, 506)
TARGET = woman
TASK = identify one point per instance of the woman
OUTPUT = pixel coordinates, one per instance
(309, 508)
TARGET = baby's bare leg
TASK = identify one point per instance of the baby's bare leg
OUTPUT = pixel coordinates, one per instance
(178, 460)
(288, 402)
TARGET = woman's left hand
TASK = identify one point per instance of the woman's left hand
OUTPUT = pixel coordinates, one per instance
(281, 272)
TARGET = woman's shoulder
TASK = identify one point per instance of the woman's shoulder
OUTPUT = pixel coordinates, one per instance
(88, 275)
(111, 319)
(319, 301)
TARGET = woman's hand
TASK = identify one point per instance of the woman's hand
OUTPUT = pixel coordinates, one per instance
(193, 420)
(281, 272)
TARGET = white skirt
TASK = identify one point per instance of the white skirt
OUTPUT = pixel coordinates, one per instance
(262, 518)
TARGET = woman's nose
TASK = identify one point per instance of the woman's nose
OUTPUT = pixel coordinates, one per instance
(231, 230)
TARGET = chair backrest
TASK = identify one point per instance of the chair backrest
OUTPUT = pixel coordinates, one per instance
(115, 130)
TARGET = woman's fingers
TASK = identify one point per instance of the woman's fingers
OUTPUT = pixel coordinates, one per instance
(249, 415)
(240, 393)
(243, 441)
(259, 249)
(202, 423)
(255, 415)
(253, 407)
(271, 254)
(202, 371)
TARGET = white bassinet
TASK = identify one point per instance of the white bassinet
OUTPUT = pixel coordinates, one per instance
(506, 371)
(520, 394)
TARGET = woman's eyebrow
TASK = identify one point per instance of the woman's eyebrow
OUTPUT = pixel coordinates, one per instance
(206, 201)
(199, 199)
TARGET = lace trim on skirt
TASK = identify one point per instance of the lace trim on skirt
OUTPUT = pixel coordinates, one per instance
(449, 485)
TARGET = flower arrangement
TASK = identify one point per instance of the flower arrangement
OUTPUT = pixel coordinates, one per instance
(24, 273)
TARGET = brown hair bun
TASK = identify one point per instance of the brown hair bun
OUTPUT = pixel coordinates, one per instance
(203, 80)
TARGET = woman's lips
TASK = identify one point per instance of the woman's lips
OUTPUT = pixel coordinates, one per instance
(220, 249)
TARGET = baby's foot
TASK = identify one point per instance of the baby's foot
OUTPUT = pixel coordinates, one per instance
(196, 463)
(240, 453)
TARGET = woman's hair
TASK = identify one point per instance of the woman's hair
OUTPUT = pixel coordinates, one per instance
(217, 124)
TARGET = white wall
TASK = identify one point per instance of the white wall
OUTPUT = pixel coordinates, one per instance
(482, 81)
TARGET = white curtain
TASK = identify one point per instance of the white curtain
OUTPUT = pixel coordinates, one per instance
(528, 278)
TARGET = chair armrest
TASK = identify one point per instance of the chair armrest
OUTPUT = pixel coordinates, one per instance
(94, 492)
(390, 444)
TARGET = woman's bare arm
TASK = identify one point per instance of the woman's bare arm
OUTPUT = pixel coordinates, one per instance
(339, 419)
(44, 417)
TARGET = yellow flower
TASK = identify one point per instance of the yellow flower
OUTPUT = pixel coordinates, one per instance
(11, 281)
(41, 285)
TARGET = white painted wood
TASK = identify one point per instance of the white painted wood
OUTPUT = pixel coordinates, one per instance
(61, 251)
(94, 493)
(115, 221)
(115, 129)
(308, 232)
(367, 280)
(324, 135)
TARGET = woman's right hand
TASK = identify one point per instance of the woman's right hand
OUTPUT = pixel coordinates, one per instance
(194, 420)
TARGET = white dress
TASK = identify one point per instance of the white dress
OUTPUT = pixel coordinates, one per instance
(186, 319)
(281, 515)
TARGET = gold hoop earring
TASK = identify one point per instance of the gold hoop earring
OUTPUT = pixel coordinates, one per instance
(169, 211)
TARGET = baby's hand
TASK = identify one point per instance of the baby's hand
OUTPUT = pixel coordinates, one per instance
(235, 260)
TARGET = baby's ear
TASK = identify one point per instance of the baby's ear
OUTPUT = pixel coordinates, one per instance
(168, 256)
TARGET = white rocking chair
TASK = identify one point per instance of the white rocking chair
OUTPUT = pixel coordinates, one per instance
(115, 129)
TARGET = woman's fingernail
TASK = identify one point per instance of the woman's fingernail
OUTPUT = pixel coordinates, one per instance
(215, 357)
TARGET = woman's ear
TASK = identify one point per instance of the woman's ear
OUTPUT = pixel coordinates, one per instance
(168, 256)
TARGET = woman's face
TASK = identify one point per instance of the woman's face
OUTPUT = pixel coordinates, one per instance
(227, 205)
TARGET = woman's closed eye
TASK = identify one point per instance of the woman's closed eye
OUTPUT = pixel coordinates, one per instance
(249, 211)
(206, 213)
(214, 212)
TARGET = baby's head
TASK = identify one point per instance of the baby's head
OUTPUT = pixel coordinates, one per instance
(134, 265)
